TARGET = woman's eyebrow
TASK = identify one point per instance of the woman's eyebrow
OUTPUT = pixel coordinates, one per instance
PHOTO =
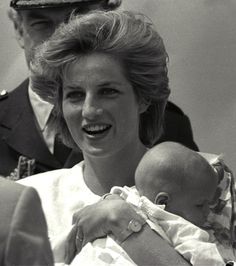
(108, 83)
(73, 87)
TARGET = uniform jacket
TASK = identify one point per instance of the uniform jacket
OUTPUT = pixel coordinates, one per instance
(19, 134)
(177, 127)
(23, 229)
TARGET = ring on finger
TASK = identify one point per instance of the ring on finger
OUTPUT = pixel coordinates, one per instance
(79, 237)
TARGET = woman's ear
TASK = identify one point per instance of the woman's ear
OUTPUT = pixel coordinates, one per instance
(162, 198)
(143, 106)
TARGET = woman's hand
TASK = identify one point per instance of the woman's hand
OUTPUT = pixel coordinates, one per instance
(110, 216)
(113, 216)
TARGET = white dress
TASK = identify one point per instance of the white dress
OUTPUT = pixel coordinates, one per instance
(63, 192)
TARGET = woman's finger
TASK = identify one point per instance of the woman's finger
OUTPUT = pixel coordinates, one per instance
(76, 216)
(79, 239)
(71, 249)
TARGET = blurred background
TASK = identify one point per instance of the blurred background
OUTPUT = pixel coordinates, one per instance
(200, 37)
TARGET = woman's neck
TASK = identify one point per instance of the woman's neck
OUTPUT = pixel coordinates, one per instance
(101, 174)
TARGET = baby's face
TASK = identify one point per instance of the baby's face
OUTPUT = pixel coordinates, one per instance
(193, 205)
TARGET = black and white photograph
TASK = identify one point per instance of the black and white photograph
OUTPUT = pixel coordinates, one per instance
(117, 132)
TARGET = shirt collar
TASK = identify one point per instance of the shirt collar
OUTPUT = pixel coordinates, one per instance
(41, 108)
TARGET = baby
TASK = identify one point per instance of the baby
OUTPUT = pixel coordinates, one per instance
(186, 184)
(174, 189)
(179, 178)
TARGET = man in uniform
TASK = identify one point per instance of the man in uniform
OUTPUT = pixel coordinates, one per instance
(28, 144)
(177, 127)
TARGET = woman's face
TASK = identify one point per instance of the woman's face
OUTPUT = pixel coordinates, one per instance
(99, 105)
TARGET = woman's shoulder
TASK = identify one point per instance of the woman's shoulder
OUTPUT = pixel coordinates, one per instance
(52, 179)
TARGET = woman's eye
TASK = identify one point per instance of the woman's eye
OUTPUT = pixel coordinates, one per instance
(109, 91)
(75, 95)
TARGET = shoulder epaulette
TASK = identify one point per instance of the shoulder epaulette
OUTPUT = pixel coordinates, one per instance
(174, 108)
(3, 94)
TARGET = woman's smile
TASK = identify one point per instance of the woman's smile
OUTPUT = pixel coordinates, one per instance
(96, 130)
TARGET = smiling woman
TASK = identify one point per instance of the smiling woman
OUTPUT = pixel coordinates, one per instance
(135, 48)
(106, 74)
(99, 99)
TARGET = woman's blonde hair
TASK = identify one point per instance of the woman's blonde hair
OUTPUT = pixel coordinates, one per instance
(127, 36)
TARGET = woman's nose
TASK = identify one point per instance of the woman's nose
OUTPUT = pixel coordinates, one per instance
(90, 109)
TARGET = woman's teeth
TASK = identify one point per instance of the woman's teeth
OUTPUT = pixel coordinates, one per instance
(95, 129)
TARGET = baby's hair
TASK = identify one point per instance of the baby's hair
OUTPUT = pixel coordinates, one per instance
(171, 167)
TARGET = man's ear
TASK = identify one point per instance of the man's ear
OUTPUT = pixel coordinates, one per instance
(162, 198)
(19, 31)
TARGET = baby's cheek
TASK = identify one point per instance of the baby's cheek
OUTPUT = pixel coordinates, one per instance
(197, 218)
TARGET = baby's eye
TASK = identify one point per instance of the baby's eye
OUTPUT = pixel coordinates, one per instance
(200, 205)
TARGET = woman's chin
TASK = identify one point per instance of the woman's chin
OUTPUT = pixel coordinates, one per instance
(96, 152)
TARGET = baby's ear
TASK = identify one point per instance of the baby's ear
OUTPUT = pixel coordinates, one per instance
(162, 198)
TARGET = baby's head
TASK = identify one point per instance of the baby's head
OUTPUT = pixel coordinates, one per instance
(178, 177)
